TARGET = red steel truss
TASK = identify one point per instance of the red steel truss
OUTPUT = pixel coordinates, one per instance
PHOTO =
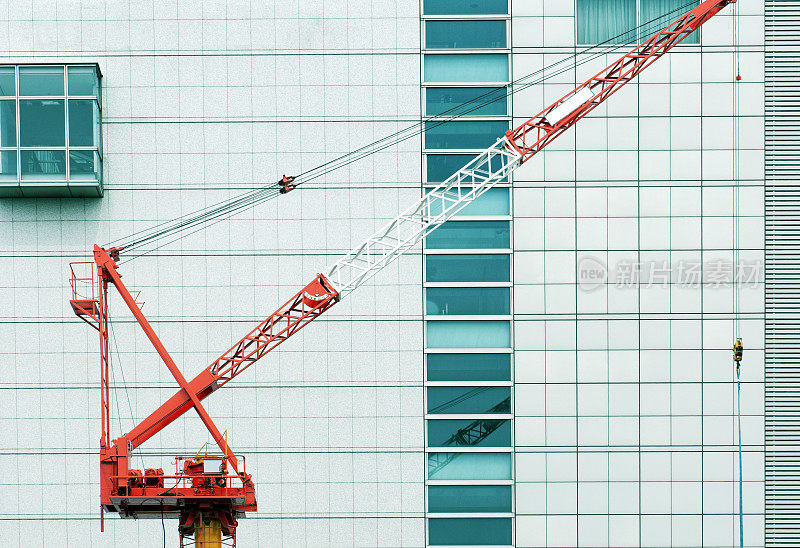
(198, 495)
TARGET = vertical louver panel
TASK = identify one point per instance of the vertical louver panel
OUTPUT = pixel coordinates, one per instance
(782, 255)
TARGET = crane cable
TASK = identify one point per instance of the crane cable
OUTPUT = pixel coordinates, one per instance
(737, 266)
(227, 208)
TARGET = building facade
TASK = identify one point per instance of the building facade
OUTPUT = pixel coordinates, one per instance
(579, 317)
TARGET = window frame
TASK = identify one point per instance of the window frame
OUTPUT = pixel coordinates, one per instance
(454, 18)
(34, 181)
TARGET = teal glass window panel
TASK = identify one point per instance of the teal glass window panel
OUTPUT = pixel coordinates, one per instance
(471, 67)
(469, 466)
(467, 268)
(44, 80)
(469, 134)
(606, 21)
(469, 399)
(469, 498)
(469, 367)
(465, 34)
(468, 334)
(41, 122)
(465, 7)
(494, 201)
(470, 235)
(657, 14)
(464, 301)
(7, 87)
(44, 164)
(469, 531)
(8, 165)
(8, 123)
(83, 81)
(473, 101)
(439, 167)
(84, 165)
(83, 122)
(469, 432)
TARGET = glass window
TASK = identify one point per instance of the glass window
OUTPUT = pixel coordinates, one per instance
(41, 122)
(469, 399)
(83, 81)
(82, 122)
(465, 34)
(441, 166)
(470, 235)
(469, 466)
(41, 80)
(469, 334)
(469, 134)
(469, 432)
(84, 164)
(472, 67)
(656, 14)
(8, 165)
(469, 367)
(469, 531)
(7, 88)
(469, 498)
(8, 124)
(492, 202)
(464, 301)
(467, 268)
(44, 164)
(465, 7)
(475, 101)
(601, 21)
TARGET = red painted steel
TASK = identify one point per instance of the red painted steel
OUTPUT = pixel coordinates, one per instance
(195, 493)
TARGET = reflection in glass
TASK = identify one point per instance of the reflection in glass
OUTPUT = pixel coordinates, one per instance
(469, 531)
(469, 432)
(8, 165)
(469, 67)
(470, 134)
(465, 34)
(469, 367)
(467, 268)
(469, 466)
(469, 399)
(83, 164)
(450, 301)
(470, 235)
(41, 122)
(468, 334)
(45, 80)
(8, 124)
(469, 498)
(473, 101)
(44, 164)
(7, 88)
(82, 122)
(82, 81)
(465, 7)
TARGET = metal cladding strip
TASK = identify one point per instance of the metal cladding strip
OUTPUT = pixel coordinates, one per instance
(782, 273)
(439, 205)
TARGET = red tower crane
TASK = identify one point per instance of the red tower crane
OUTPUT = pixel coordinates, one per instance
(208, 500)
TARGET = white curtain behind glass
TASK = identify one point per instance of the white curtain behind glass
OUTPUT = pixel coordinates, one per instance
(601, 20)
(664, 12)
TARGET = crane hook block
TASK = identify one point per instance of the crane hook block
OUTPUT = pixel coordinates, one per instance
(286, 184)
(738, 350)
